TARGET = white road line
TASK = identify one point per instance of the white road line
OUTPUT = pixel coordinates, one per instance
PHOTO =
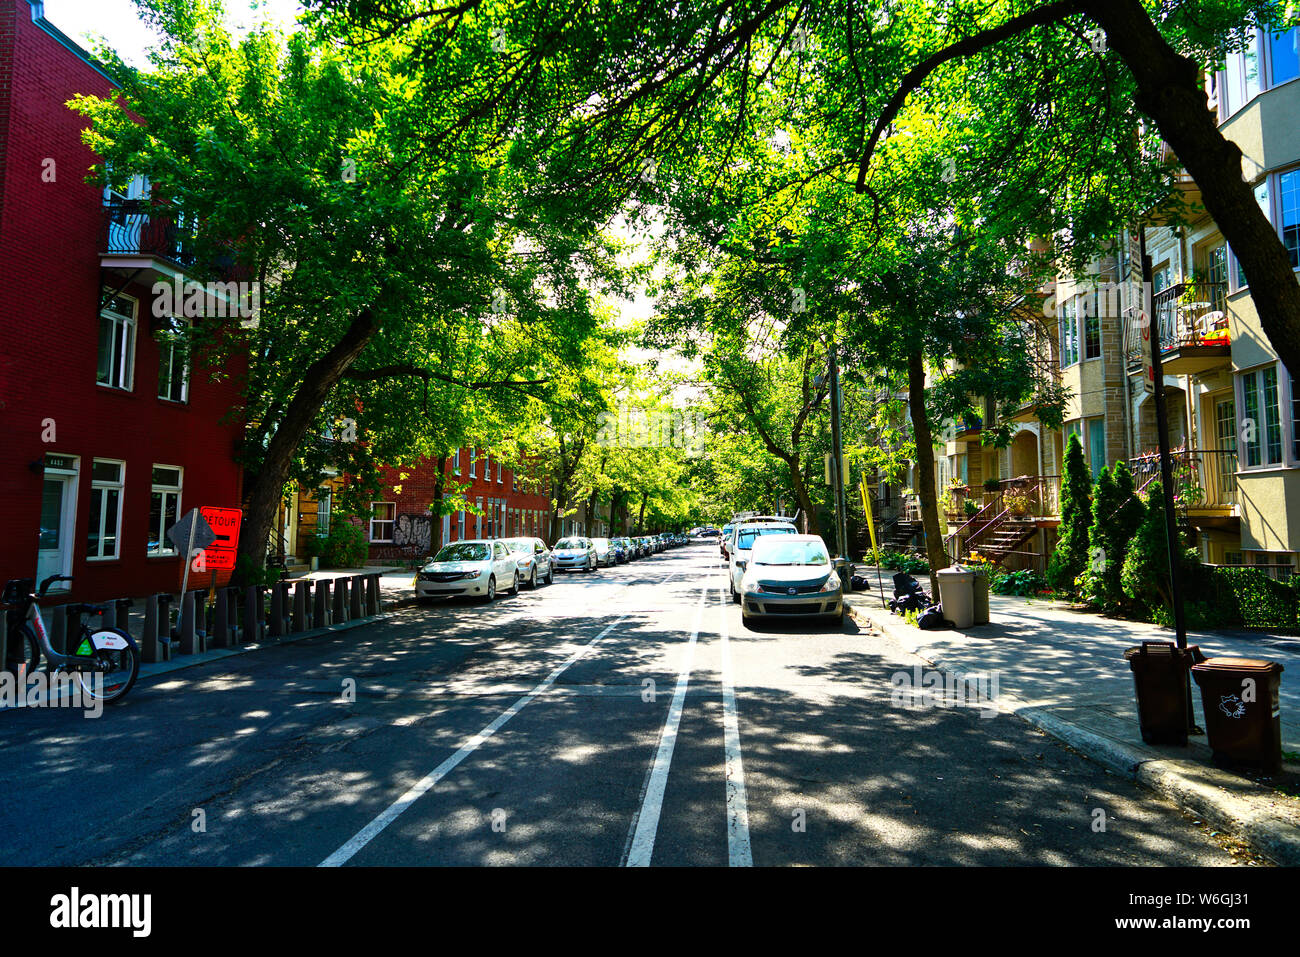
(371, 830)
(738, 849)
(647, 820)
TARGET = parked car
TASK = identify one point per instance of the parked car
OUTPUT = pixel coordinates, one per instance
(534, 560)
(604, 552)
(790, 575)
(743, 537)
(575, 553)
(476, 567)
(724, 540)
(619, 549)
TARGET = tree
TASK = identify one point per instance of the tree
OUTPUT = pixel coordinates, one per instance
(380, 263)
(1070, 557)
(1116, 515)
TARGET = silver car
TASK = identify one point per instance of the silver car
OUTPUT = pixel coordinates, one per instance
(534, 560)
(605, 554)
(575, 553)
(475, 567)
(790, 575)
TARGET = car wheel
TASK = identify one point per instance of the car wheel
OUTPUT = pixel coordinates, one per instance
(735, 595)
(550, 575)
(532, 580)
(514, 583)
(492, 588)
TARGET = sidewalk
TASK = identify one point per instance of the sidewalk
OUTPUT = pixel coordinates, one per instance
(1064, 672)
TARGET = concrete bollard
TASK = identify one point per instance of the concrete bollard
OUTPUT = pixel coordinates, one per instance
(323, 612)
(376, 593)
(279, 608)
(356, 606)
(254, 615)
(190, 642)
(301, 610)
(340, 600)
(151, 649)
(221, 621)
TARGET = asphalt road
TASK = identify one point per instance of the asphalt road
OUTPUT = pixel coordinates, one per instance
(625, 717)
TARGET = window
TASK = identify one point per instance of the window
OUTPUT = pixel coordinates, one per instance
(117, 343)
(1288, 200)
(478, 518)
(1261, 420)
(1216, 271)
(164, 508)
(1261, 197)
(1091, 331)
(473, 462)
(1241, 79)
(455, 463)
(514, 481)
(324, 505)
(460, 527)
(1284, 56)
(1295, 420)
(1097, 445)
(106, 481)
(383, 516)
(1069, 333)
(173, 360)
(499, 473)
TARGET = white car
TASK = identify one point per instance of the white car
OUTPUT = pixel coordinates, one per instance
(742, 540)
(788, 576)
(534, 560)
(478, 567)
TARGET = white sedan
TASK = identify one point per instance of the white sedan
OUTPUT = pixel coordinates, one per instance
(475, 567)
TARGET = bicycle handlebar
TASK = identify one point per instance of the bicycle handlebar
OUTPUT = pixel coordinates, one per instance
(45, 585)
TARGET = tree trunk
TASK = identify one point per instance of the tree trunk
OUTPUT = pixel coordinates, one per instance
(262, 496)
(1170, 92)
(925, 469)
(801, 493)
(439, 493)
(640, 520)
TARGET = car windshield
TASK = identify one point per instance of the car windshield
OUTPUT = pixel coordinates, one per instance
(570, 543)
(776, 552)
(519, 544)
(462, 552)
(745, 538)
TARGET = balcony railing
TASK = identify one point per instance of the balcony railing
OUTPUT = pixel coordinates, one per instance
(1186, 314)
(1202, 478)
(146, 228)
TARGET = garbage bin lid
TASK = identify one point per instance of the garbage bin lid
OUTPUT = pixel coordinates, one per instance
(1151, 648)
(1238, 664)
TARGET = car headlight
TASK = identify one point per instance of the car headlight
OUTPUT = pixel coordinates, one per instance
(832, 583)
(469, 575)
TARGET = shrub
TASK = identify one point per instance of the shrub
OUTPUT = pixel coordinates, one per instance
(1145, 575)
(1070, 558)
(1023, 582)
(1251, 598)
(1116, 515)
(345, 546)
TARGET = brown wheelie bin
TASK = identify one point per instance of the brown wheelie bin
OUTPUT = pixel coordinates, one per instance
(1243, 719)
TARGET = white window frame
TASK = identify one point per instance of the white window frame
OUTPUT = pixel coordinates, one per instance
(1069, 332)
(123, 354)
(167, 353)
(1286, 423)
(103, 486)
(455, 463)
(324, 497)
(165, 548)
(391, 522)
(473, 462)
(499, 472)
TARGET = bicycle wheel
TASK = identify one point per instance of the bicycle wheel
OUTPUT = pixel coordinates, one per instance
(22, 650)
(122, 667)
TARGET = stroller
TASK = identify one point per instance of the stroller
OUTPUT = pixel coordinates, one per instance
(908, 595)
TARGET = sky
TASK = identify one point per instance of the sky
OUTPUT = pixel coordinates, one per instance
(118, 22)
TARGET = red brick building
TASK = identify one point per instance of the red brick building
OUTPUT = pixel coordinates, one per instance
(108, 435)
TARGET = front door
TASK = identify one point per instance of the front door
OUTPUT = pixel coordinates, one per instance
(58, 511)
(1225, 425)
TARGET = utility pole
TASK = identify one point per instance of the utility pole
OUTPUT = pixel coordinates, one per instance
(1152, 329)
(837, 467)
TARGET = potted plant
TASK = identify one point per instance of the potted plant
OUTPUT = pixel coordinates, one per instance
(970, 507)
(992, 484)
(1017, 502)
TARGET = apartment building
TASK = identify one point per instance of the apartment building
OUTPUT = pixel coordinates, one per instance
(109, 433)
(1233, 409)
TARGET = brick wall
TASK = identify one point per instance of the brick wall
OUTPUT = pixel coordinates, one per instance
(49, 238)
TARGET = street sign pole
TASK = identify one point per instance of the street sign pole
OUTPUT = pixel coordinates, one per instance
(189, 551)
(1162, 439)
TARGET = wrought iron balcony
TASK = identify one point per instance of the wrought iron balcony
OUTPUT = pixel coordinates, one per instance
(145, 228)
(1191, 320)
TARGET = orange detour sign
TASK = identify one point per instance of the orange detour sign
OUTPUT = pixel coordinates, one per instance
(220, 555)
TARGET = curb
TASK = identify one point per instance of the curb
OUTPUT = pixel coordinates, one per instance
(1276, 839)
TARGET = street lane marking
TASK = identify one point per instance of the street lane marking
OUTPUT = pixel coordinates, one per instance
(371, 830)
(647, 820)
(739, 853)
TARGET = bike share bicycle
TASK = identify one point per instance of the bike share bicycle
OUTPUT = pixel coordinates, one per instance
(109, 652)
